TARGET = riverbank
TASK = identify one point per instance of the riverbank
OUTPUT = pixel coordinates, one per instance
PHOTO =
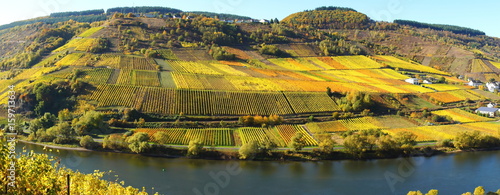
(210, 153)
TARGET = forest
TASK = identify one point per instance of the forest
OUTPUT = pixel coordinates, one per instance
(452, 28)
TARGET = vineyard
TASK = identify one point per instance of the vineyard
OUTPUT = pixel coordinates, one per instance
(79, 44)
(112, 61)
(311, 102)
(137, 63)
(125, 77)
(288, 131)
(90, 32)
(355, 124)
(192, 55)
(209, 137)
(456, 96)
(99, 75)
(280, 135)
(461, 116)
(75, 59)
(357, 62)
(435, 133)
(445, 87)
(145, 78)
(193, 102)
(397, 63)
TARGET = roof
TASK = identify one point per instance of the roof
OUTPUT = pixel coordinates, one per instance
(486, 109)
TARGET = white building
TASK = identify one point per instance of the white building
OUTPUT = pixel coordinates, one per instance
(492, 112)
(427, 82)
(492, 87)
(412, 81)
(474, 83)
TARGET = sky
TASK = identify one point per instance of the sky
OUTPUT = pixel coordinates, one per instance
(482, 16)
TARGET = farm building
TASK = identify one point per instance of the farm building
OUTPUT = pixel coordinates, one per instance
(474, 83)
(493, 86)
(427, 82)
(412, 81)
(492, 112)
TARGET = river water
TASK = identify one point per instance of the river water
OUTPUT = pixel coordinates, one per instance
(450, 174)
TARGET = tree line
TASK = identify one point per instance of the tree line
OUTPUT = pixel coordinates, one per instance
(51, 20)
(451, 28)
(144, 9)
(78, 13)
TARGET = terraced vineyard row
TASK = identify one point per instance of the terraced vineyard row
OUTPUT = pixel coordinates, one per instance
(137, 63)
(288, 131)
(219, 82)
(90, 32)
(79, 44)
(304, 102)
(434, 133)
(455, 96)
(99, 75)
(280, 135)
(75, 59)
(397, 63)
(191, 102)
(112, 61)
(355, 124)
(460, 115)
(146, 78)
(180, 136)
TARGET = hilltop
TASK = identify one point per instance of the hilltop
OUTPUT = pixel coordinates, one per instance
(317, 77)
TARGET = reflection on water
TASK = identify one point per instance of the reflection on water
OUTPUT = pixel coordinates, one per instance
(451, 174)
(296, 168)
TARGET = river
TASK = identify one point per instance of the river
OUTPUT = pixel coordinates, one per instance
(450, 174)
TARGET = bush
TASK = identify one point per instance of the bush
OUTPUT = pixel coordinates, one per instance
(445, 143)
(249, 150)
(63, 140)
(271, 50)
(474, 139)
(138, 143)
(114, 142)
(161, 137)
(195, 147)
(88, 142)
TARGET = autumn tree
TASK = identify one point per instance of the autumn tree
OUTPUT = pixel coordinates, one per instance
(249, 150)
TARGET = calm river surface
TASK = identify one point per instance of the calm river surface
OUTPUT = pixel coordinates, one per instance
(450, 174)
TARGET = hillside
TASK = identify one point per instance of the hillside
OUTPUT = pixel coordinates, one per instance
(321, 74)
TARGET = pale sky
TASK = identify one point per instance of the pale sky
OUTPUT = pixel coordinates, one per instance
(483, 16)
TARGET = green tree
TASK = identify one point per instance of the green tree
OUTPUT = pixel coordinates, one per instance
(195, 147)
(249, 150)
(326, 145)
(88, 142)
(90, 122)
(466, 140)
(138, 142)
(64, 115)
(406, 138)
(298, 142)
(61, 130)
(386, 144)
(355, 145)
(267, 146)
(114, 142)
(161, 137)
